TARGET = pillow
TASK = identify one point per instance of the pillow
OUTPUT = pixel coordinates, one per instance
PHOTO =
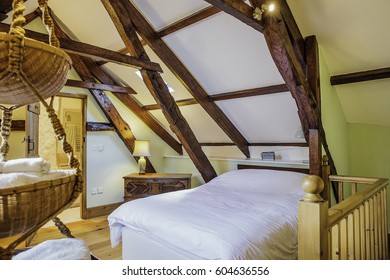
(263, 180)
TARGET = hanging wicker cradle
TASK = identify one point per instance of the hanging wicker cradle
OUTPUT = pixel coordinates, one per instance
(30, 72)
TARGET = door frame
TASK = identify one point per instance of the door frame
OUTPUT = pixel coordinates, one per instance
(83, 98)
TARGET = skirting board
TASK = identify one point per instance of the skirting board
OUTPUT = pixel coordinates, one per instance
(103, 210)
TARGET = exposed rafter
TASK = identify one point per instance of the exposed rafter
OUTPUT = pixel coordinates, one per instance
(176, 26)
(127, 100)
(361, 76)
(90, 85)
(109, 110)
(71, 46)
(184, 102)
(136, 108)
(287, 48)
(98, 126)
(187, 21)
(123, 16)
(177, 67)
(229, 95)
(238, 9)
(249, 92)
(297, 144)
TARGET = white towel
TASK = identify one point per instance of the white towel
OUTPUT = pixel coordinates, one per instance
(25, 165)
(60, 249)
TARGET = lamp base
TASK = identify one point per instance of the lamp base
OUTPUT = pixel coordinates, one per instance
(142, 165)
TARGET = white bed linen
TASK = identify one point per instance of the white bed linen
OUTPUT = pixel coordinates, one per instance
(242, 214)
(10, 180)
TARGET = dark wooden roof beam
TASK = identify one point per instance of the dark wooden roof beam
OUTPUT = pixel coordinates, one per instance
(123, 15)
(289, 144)
(187, 21)
(99, 126)
(238, 9)
(249, 92)
(229, 95)
(91, 85)
(181, 72)
(361, 76)
(71, 46)
(184, 102)
(135, 107)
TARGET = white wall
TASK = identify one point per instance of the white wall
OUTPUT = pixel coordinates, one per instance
(107, 168)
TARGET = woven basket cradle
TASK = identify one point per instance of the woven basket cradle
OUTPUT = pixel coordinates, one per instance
(28, 207)
(45, 66)
(40, 74)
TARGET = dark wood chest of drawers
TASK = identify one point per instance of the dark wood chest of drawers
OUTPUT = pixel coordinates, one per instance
(138, 186)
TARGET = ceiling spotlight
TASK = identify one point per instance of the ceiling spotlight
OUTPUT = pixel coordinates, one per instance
(258, 12)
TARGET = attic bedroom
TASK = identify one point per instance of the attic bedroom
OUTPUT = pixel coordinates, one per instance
(210, 87)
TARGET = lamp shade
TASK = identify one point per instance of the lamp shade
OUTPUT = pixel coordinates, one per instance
(141, 148)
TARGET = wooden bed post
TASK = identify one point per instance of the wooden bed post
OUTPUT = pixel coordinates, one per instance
(312, 221)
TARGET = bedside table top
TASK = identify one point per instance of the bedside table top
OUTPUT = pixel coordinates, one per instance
(158, 175)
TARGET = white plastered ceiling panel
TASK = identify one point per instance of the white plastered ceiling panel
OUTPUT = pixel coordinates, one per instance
(225, 55)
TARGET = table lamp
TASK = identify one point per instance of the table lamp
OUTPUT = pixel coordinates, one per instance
(141, 149)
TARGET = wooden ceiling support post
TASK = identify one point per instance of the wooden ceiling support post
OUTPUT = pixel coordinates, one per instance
(122, 18)
(277, 37)
(159, 47)
(291, 54)
(315, 153)
(313, 76)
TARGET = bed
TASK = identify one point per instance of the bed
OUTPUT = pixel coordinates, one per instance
(259, 214)
(241, 214)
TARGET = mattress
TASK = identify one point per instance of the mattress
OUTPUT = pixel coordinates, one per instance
(242, 214)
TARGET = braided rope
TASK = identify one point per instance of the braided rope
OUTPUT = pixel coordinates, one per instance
(6, 130)
(16, 47)
(48, 21)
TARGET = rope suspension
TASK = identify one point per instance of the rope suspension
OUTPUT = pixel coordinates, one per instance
(32, 72)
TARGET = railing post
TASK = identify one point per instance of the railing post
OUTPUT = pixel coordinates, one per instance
(312, 221)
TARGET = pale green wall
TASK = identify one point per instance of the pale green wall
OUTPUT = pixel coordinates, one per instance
(369, 152)
(334, 122)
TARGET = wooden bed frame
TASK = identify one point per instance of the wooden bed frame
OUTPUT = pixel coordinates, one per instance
(355, 228)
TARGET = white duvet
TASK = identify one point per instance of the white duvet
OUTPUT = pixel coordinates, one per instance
(242, 214)
(10, 180)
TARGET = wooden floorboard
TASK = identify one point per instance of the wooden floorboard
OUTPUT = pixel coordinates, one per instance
(95, 232)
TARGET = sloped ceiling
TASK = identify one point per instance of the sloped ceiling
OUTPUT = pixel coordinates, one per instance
(225, 55)
(353, 37)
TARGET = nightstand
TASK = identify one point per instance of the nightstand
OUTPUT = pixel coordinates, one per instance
(138, 186)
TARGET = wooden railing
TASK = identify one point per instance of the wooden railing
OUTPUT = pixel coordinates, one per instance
(354, 228)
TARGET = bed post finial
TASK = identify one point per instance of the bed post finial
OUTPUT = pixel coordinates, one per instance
(313, 186)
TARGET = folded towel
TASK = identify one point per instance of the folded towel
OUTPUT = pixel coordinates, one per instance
(25, 165)
(16, 179)
(60, 249)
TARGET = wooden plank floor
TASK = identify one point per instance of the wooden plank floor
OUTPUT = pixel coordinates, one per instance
(94, 231)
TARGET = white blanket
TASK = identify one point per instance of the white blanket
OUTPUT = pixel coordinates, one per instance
(243, 214)
(10, 180)
(60, 249)
(25, 165)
